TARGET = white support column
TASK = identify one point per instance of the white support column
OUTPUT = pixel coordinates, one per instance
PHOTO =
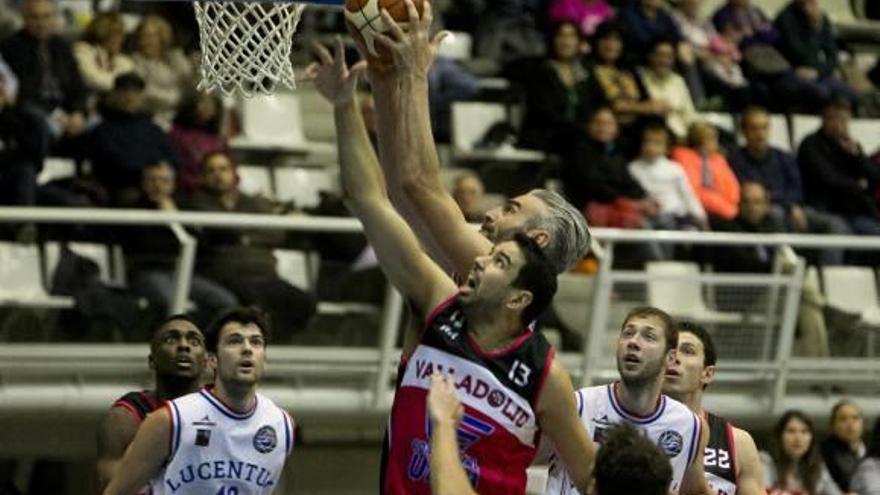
(786, 335)
(183, 270)
(599, 317)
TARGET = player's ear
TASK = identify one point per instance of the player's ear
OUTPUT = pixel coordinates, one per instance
(708, 375)
(540, 236)
(520, 300)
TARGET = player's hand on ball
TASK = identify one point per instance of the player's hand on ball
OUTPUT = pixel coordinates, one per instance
(443, 403)
(332, 77)
(413, 50)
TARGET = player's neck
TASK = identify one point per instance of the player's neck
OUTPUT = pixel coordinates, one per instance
(492, 333)
(693, 400)
(172, 387)
(640, 400)
(240, 398)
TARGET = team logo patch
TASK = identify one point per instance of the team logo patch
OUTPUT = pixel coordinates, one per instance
(671, 443)
(265, 440)
(496, 399)
(203, 437)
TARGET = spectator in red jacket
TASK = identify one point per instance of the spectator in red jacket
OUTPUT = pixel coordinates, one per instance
(709, 173)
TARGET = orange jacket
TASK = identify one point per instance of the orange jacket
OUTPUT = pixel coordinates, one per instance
(721, 198)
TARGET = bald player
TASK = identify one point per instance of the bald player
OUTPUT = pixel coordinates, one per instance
(177, 358)
(731, 459)
(411, 165)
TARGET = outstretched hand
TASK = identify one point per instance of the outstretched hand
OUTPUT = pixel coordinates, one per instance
(413, 51)
(332, 77)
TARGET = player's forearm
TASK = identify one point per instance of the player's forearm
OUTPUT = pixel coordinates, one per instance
(448, 476)
(360, 174)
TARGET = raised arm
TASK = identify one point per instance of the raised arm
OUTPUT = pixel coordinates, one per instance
(406, 143)
(114, 435)
(395, 244)
(448, 476)
(557, 415)
(144, 457)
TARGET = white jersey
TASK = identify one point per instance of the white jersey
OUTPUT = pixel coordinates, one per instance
(218, 451)
(673, 426)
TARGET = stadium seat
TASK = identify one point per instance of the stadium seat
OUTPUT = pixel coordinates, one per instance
(470, 122)
(853, 289)
(300, 268)
(867, 133)
(675, 286)
(572, 301)
(98, 253)
(255, 179)
(303, 185)
(21, 283)
(801, 127)
(275, 122)
(458, 46)
(55, 168)
(780, 137)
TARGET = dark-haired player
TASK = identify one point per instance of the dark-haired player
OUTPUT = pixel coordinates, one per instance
(507, 377)
(731, 459)
(646, 346)
(225, 439)
(177, 358)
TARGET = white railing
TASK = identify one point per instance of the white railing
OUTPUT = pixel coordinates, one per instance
(770, 381)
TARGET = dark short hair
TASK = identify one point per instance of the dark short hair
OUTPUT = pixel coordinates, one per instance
(176, 317)
(669, 329)
(608, 29)
(710, 355)
(840, 404)
(660, 40)
(554, 31)
(595, 111)
(837, 103)
(657, 126)
(129, 80)
(241, 315)
(752, 110)
(537, 275)
(628, 463)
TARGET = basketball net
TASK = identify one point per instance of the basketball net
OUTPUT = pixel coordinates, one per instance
(246, 45)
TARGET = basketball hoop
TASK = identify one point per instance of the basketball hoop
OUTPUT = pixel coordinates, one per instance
(246, 45)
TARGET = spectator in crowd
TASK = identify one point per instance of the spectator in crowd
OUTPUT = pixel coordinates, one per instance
(664, 84)
(708, 172)
(448, 82)
(99, 54)
(866, 480)
(168, 73)
(151, 254)
(793, 464)
(806, 39)
(558, 94)
(778, 172)
(643, 22)
(837, 176)
(665, 181)
(596, 177)
(844, 448)
(750, 24)
(196, 132)
(242, 260)
(126, 141)
(23, 143)
(588, 14)
(755, 217)
(49, 80)
(504, 30)
(618, 86)
(468, 192)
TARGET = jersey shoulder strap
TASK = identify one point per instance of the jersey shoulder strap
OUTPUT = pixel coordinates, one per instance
(139, 403)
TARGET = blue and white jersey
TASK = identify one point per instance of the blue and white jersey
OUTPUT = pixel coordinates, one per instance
(672, 426)
(218, 451)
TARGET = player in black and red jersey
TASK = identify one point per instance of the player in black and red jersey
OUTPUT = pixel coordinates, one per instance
(177, 357)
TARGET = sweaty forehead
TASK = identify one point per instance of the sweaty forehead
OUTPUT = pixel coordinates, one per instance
(511, 249)
(246, 330)
(182, 326)
(530, 204)
(647, 322)
(687, 338)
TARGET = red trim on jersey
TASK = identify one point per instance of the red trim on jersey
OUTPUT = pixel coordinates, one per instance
(498, 352)
(128, 407)
(548, 363)
(732, 443)
(154, 404)
(627, 411)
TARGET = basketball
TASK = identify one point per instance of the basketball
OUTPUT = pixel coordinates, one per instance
(364, 20)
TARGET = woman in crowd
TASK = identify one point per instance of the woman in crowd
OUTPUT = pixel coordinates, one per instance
(99, 54)
(844, 448)
(866, 480)
(196, 132)
(169, 74)
(793, 466)
(708, 172)
(558, 95)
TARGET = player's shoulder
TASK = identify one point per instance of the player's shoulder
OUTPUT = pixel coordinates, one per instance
(136, 404)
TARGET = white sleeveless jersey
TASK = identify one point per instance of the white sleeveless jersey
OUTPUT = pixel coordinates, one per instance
(672, 426)
(218, 451)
